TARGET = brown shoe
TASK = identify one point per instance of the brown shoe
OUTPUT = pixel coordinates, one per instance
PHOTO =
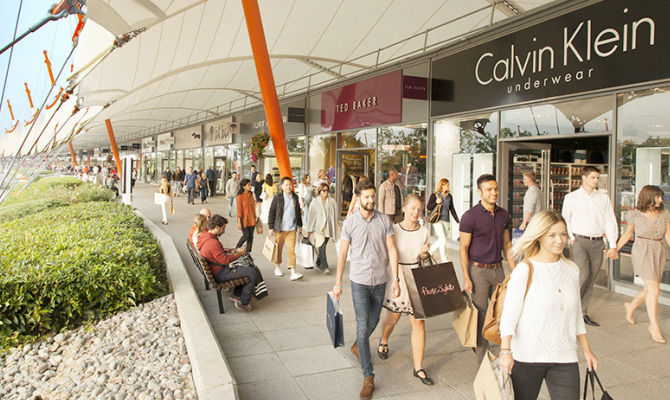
(368, 388)
(354, 350)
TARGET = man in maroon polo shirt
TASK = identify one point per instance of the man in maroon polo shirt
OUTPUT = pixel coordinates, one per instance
(484, 237)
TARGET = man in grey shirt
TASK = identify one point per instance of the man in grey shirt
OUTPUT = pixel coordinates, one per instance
(533, 200)
(232, 187)
(370, 237)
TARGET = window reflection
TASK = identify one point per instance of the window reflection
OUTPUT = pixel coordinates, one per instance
(643, 158)
(403, 148)
(578, 116)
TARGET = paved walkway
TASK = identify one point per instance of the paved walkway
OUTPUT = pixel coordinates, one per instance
(281, 350)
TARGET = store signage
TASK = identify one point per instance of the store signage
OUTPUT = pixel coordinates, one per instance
(375, 101)
(148, 144)
(414, 87)
(608, 44)
(221, 131)
(165, 142)
(188, 138)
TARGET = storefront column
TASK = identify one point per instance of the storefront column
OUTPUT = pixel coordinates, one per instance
(267, 84)
(115, 150)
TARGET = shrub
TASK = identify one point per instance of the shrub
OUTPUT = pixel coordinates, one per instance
(19, 210)
(52, 187)
(70, 265)
(68, 189)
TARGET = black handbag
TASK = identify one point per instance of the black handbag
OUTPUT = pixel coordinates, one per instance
(590, 374)
(433, 289)
(434, 215)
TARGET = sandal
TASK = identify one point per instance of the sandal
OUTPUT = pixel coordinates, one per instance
(384, 353)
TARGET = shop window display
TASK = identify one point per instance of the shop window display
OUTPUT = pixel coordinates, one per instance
(323, 156)
(463, 149)
(296, 154)
(643, 158)
(404, 149)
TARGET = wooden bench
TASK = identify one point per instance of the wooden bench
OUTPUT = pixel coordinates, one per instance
(203, 266)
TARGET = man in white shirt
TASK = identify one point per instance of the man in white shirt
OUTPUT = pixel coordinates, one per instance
(590, 216)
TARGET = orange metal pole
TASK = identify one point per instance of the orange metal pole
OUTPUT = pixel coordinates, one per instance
(266, 81)
(74, 159)
(112, 141)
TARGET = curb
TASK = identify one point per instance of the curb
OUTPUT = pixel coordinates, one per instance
(211, 374)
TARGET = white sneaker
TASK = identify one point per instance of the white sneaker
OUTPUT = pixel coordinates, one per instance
(295, 275)
(278, 272)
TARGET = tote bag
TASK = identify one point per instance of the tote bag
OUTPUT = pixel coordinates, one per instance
(433, 288)
(465, 323)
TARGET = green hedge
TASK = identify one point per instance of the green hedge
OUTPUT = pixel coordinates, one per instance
(46, 188)
(70, 265)
(19, 210)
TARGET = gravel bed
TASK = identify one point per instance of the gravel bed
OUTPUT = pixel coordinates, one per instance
(138, 354)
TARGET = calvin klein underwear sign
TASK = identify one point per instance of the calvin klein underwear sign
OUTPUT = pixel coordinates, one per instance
(375, 101)
(608, 44)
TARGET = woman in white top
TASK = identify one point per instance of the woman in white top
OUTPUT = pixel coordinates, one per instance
(200, 222)
(540, 328)
(412, 241)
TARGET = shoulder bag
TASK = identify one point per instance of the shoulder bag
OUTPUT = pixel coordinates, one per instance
(491, 329)
(434, 215)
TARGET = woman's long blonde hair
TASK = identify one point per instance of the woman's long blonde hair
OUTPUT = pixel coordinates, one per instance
(165, 185)
(528, 244)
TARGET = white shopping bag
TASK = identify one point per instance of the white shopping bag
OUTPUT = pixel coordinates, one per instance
(160, 198)
(304, 255)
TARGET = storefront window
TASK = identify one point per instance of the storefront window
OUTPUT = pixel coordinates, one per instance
(296, 153)
(209, 157)
(362, 139)
(464, 149)
(643, 158)
(322, 156)
(590, 115)
(403, 148)
(180, 158)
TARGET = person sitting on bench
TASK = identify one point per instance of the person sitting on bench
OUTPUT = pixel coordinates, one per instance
(212, 250)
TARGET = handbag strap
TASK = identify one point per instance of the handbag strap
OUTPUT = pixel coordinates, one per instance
(594, 375)
(589, 378)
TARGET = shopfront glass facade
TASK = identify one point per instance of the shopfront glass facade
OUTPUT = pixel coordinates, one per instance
(403, 148)
(643, 158)
(297, 157)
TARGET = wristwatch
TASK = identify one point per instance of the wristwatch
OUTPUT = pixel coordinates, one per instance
(397, 279)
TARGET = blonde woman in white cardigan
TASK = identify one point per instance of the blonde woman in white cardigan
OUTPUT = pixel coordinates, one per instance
(540, 328)
(322, 223)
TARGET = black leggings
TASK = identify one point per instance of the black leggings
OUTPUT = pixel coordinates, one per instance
(562, 380)
(247, 236)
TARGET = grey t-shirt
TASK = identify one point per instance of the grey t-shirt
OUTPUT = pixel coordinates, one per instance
(368, 257)
(532, 200)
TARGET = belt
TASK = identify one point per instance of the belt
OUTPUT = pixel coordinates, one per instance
(648, 238)
(487, 266)
(589, 237)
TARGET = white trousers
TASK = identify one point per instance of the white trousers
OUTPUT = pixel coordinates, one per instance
(442, 230)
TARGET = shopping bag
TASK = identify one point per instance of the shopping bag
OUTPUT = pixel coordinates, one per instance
(337, 249)
(270, 250)
(491, 383)
(304, 255)
(259, 226)
(465, 323)
(171, 208)
(334, 321)
(433, 288)
(516, 233)
(159, 198)
(590, 374)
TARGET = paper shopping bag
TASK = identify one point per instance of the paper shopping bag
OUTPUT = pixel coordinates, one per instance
(433, 289)
(465, 323)
(171, 208)
(491, 383)
(334, 321)
(270, 250)
(159, 198)
(304, 255)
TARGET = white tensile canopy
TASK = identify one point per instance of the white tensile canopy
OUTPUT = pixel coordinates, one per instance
(193, 62)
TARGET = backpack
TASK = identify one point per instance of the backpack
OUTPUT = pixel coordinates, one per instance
(491, 329)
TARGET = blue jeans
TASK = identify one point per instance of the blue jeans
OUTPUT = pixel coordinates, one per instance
(231, 205)
(368, 302)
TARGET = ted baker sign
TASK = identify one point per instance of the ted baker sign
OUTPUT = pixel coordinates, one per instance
(608, 44)
(375, 101)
